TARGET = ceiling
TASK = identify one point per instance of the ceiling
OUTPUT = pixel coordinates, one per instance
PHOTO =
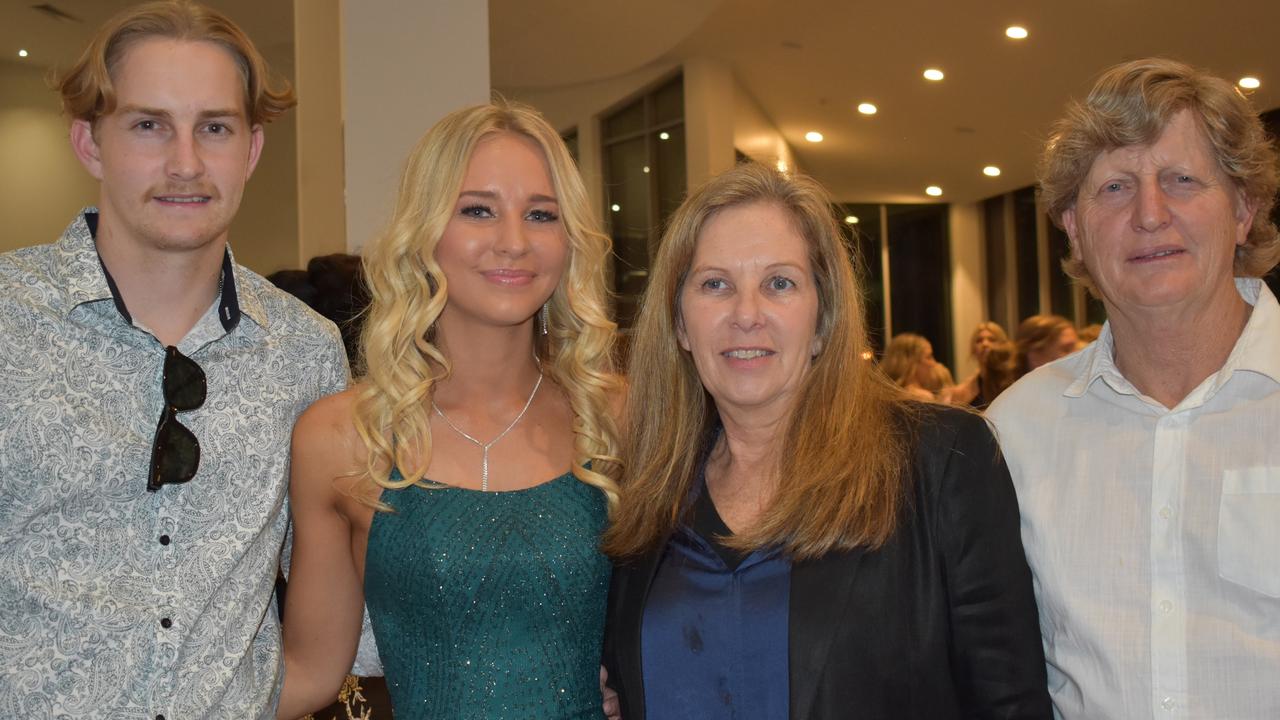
(808, 63)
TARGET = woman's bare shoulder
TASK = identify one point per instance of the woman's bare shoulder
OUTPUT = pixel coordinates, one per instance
(326, 446)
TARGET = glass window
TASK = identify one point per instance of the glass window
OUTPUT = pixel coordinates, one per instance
(996, 256)
(1060, 286)
(627, 121)
(668, 103)
(669, 170)
(645, 181)
(865, 248)
(571, 142)
(1024, 223)
(920, 275)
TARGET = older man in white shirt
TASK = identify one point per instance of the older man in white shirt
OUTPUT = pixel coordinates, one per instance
(1148, 465)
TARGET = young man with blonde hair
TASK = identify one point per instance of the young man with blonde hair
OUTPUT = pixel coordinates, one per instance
(151, 385)
(1146, 465)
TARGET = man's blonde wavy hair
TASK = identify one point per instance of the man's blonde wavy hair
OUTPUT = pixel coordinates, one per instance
(400, 362)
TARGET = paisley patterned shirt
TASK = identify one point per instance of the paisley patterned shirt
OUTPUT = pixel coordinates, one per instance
(116, 602)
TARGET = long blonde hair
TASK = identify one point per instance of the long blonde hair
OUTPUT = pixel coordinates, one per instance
(409, 290)
(846, 457)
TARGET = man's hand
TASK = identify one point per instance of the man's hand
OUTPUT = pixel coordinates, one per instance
(612, 709)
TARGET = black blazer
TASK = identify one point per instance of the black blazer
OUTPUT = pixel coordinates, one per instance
(939, 623)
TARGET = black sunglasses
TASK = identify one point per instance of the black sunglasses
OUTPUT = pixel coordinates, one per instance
(175, 454)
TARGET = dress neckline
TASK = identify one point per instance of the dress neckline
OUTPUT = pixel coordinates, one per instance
(433, 485)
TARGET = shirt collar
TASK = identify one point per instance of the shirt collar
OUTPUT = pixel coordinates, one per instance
(88, 280)
(1256, 350)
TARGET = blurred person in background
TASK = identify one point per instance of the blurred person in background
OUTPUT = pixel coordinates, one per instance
(1042, 339)
(908, 361)
(970, 392)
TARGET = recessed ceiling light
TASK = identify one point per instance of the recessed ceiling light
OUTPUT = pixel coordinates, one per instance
(933, 74)
(615, 207)
(867, 108)
(851, 219)
(991, 171)
(1017, 32)
(664, 135)
(933, 191)
(813, 136)
(646, 168)
(1250, 83)
(22, 53)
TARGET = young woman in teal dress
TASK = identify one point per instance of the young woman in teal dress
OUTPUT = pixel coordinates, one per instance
(460, 487)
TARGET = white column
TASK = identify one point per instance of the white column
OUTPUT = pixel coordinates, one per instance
(968, 270)
(406, 64)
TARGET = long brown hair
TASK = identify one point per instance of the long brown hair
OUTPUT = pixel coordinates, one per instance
(843, 475)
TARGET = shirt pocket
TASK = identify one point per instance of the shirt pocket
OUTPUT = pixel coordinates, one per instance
(1249, 529)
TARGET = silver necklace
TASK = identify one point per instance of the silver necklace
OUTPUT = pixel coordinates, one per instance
(484, 447)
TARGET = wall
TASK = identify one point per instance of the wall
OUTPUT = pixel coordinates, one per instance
(709, 112)
(406, 64)
(968, 270)
(43, 185)
(264, 235)
(756, 135)
(322, 208)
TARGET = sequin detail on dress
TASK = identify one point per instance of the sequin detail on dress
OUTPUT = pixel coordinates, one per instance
(490, 605)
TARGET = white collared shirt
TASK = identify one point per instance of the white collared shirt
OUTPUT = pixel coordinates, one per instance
(1153, 534)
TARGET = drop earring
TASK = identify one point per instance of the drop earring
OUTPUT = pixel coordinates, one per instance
(542, 316)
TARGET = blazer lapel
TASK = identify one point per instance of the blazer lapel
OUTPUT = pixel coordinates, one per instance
(820, 592)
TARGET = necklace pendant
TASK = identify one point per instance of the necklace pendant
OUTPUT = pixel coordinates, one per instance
(484, 470)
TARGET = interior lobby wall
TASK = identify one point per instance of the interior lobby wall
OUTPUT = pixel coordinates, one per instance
(43, 185)
(709, 116)
(406, 64)
(756, 135)
(264, 235)
(968, 269)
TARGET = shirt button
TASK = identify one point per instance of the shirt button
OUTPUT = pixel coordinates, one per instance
(1166, 607)
(1165, 512)
(166, 623)
(164, 539)
(1167, 703)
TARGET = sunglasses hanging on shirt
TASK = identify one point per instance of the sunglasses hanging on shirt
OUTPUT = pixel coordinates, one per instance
(175, 454)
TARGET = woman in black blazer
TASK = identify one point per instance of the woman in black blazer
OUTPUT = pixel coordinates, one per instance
(797, 538)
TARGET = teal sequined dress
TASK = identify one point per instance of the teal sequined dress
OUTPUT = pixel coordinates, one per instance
(490, 604)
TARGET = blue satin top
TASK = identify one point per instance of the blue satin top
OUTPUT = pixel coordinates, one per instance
(714, 636)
